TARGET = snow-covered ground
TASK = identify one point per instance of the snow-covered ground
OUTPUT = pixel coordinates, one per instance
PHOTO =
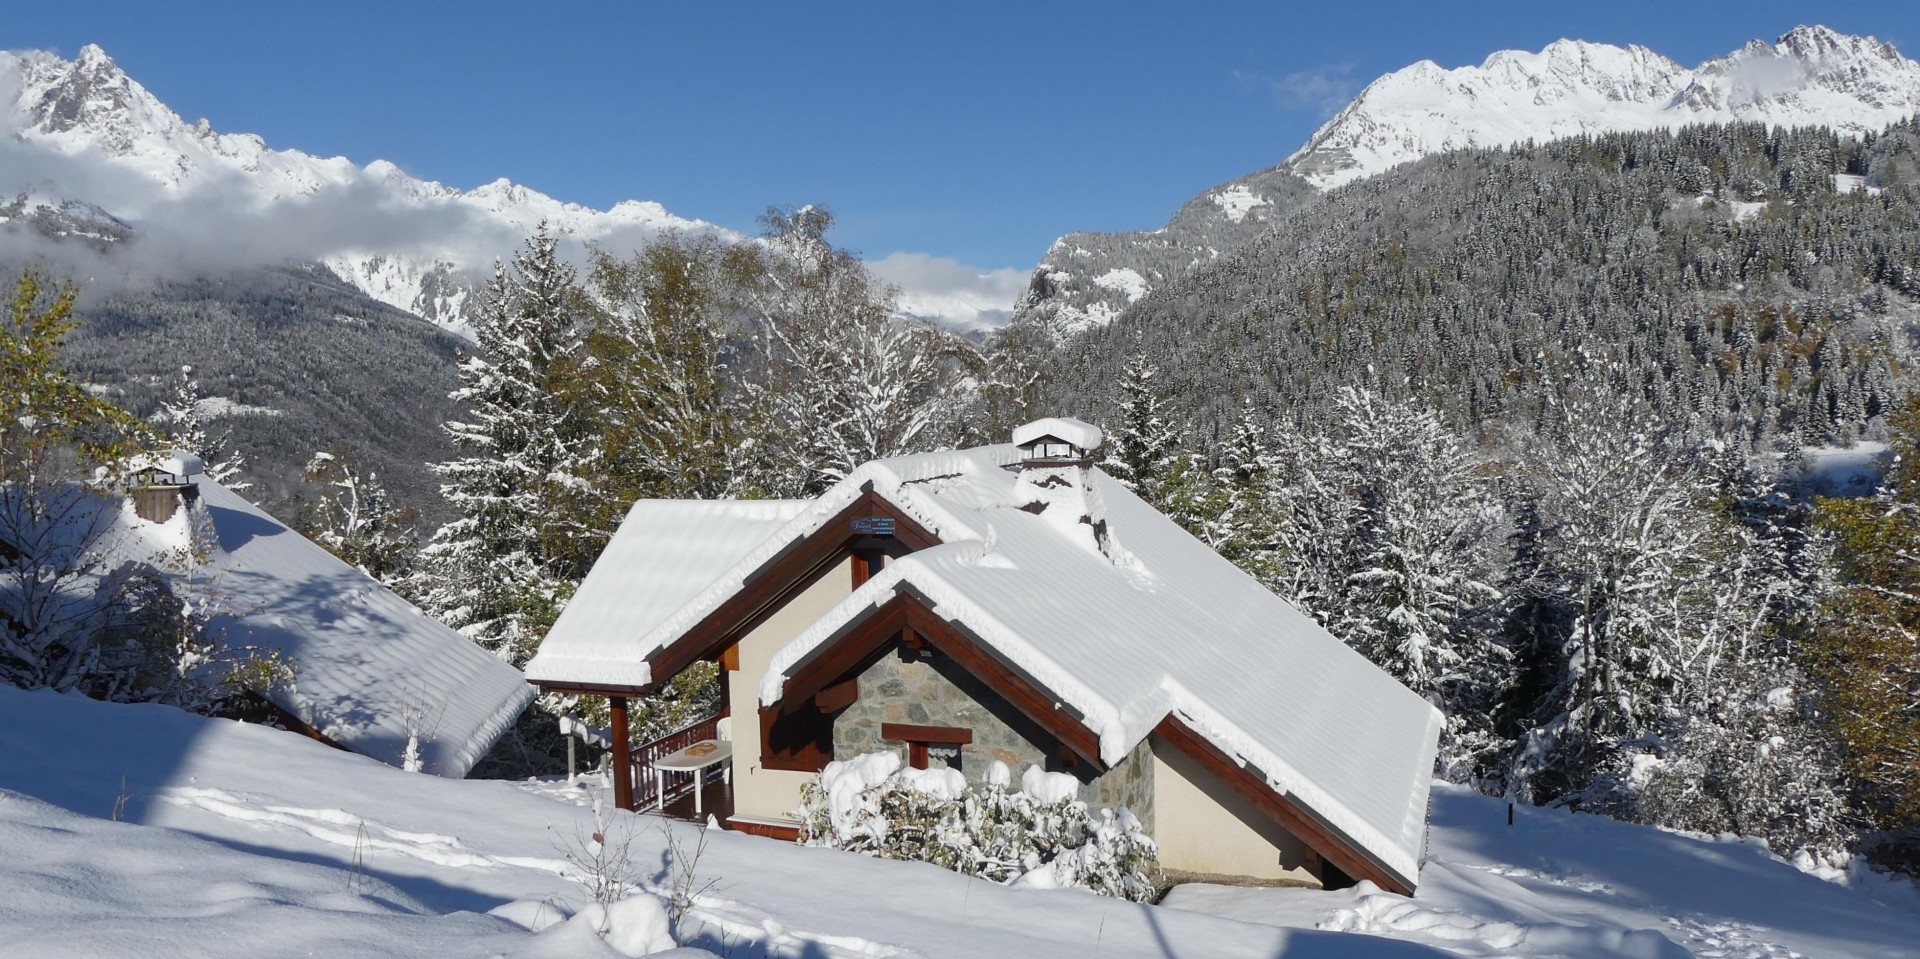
(1565, 884)
(1844, 470)
(236, 840)
(244, 841)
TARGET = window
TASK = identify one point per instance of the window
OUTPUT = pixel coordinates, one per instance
(926, 744)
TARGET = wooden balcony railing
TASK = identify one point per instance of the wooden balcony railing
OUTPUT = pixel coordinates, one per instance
(644, 781)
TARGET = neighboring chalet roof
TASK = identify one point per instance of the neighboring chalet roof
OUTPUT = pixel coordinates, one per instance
(665, 553)
(363, 657)
(1128, 621)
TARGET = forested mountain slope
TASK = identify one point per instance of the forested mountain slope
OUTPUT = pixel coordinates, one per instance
(1756, 284)
(1811, 75)
(294, 361)
(1089, 278)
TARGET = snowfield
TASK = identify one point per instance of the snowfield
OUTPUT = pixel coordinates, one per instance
(1565, 884)
(237, 840)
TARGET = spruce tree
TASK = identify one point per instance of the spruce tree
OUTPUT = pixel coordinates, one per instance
(1422, 536)
(1142, 446)
(501, 571)
(185, 423)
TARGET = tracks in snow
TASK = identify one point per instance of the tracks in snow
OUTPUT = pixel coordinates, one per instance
(723, 920)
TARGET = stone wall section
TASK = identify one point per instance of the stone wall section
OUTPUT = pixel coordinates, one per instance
(925, 688)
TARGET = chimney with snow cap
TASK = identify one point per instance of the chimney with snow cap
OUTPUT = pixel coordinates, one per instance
(160, 485)
(1056, 441)
(1055, 455)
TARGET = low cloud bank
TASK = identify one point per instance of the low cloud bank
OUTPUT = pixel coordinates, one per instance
(961, 296)
(220, 221)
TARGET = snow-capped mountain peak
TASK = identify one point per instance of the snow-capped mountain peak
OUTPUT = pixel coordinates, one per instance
(83, 131)
(1811, 75)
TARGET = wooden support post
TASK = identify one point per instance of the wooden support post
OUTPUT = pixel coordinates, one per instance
(865, 564)
(622, 757)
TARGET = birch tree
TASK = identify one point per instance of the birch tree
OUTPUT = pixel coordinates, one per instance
(843, 379)
(354, 518)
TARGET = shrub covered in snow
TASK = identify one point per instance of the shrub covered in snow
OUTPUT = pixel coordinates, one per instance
(1760, 769)
(1039, 834)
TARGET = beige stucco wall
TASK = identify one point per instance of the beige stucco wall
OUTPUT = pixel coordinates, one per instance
(757, 791)
(1202, 825)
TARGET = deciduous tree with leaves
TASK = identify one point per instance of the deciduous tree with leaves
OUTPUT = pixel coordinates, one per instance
(60, 446)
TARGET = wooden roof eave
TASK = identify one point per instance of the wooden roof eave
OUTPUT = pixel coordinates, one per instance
(764, 591)
(907, 615)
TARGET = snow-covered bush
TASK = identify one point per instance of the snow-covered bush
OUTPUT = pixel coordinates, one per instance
(166, 645)
(1759, 767)
(1039, 834)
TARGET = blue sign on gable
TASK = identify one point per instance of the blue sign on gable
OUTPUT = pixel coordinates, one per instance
(874, 525)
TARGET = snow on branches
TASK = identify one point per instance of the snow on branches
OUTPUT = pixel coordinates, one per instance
(502, 570)
(184, 417)
(1037, 835)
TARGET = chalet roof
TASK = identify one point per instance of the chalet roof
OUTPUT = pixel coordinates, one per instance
(665, 553)
(1125, 630)
(363, 657)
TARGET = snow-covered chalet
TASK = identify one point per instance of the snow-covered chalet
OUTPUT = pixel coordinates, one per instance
(370, 670)
(1009, 603)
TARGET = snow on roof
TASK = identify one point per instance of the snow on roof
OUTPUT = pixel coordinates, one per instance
(363, 657)
(176, 462)
(1124, 636)
(1081, 434)
(618, 663)
(1173, 628)
(664, 554)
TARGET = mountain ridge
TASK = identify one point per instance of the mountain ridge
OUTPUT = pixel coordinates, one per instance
(1812, 75)
(84, 131)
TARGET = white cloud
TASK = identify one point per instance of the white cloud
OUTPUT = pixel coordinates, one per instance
(1323, 89)
(965, 298)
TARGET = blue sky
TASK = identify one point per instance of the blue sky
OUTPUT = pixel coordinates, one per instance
(977, 132)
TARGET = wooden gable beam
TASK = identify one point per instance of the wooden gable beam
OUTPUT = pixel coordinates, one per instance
(831, 666)
(904, 614)
(769, 587)
(1284, 809)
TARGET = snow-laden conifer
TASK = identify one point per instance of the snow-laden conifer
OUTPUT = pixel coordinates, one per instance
(1142, 446)
(183, 415)
(501, 571)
